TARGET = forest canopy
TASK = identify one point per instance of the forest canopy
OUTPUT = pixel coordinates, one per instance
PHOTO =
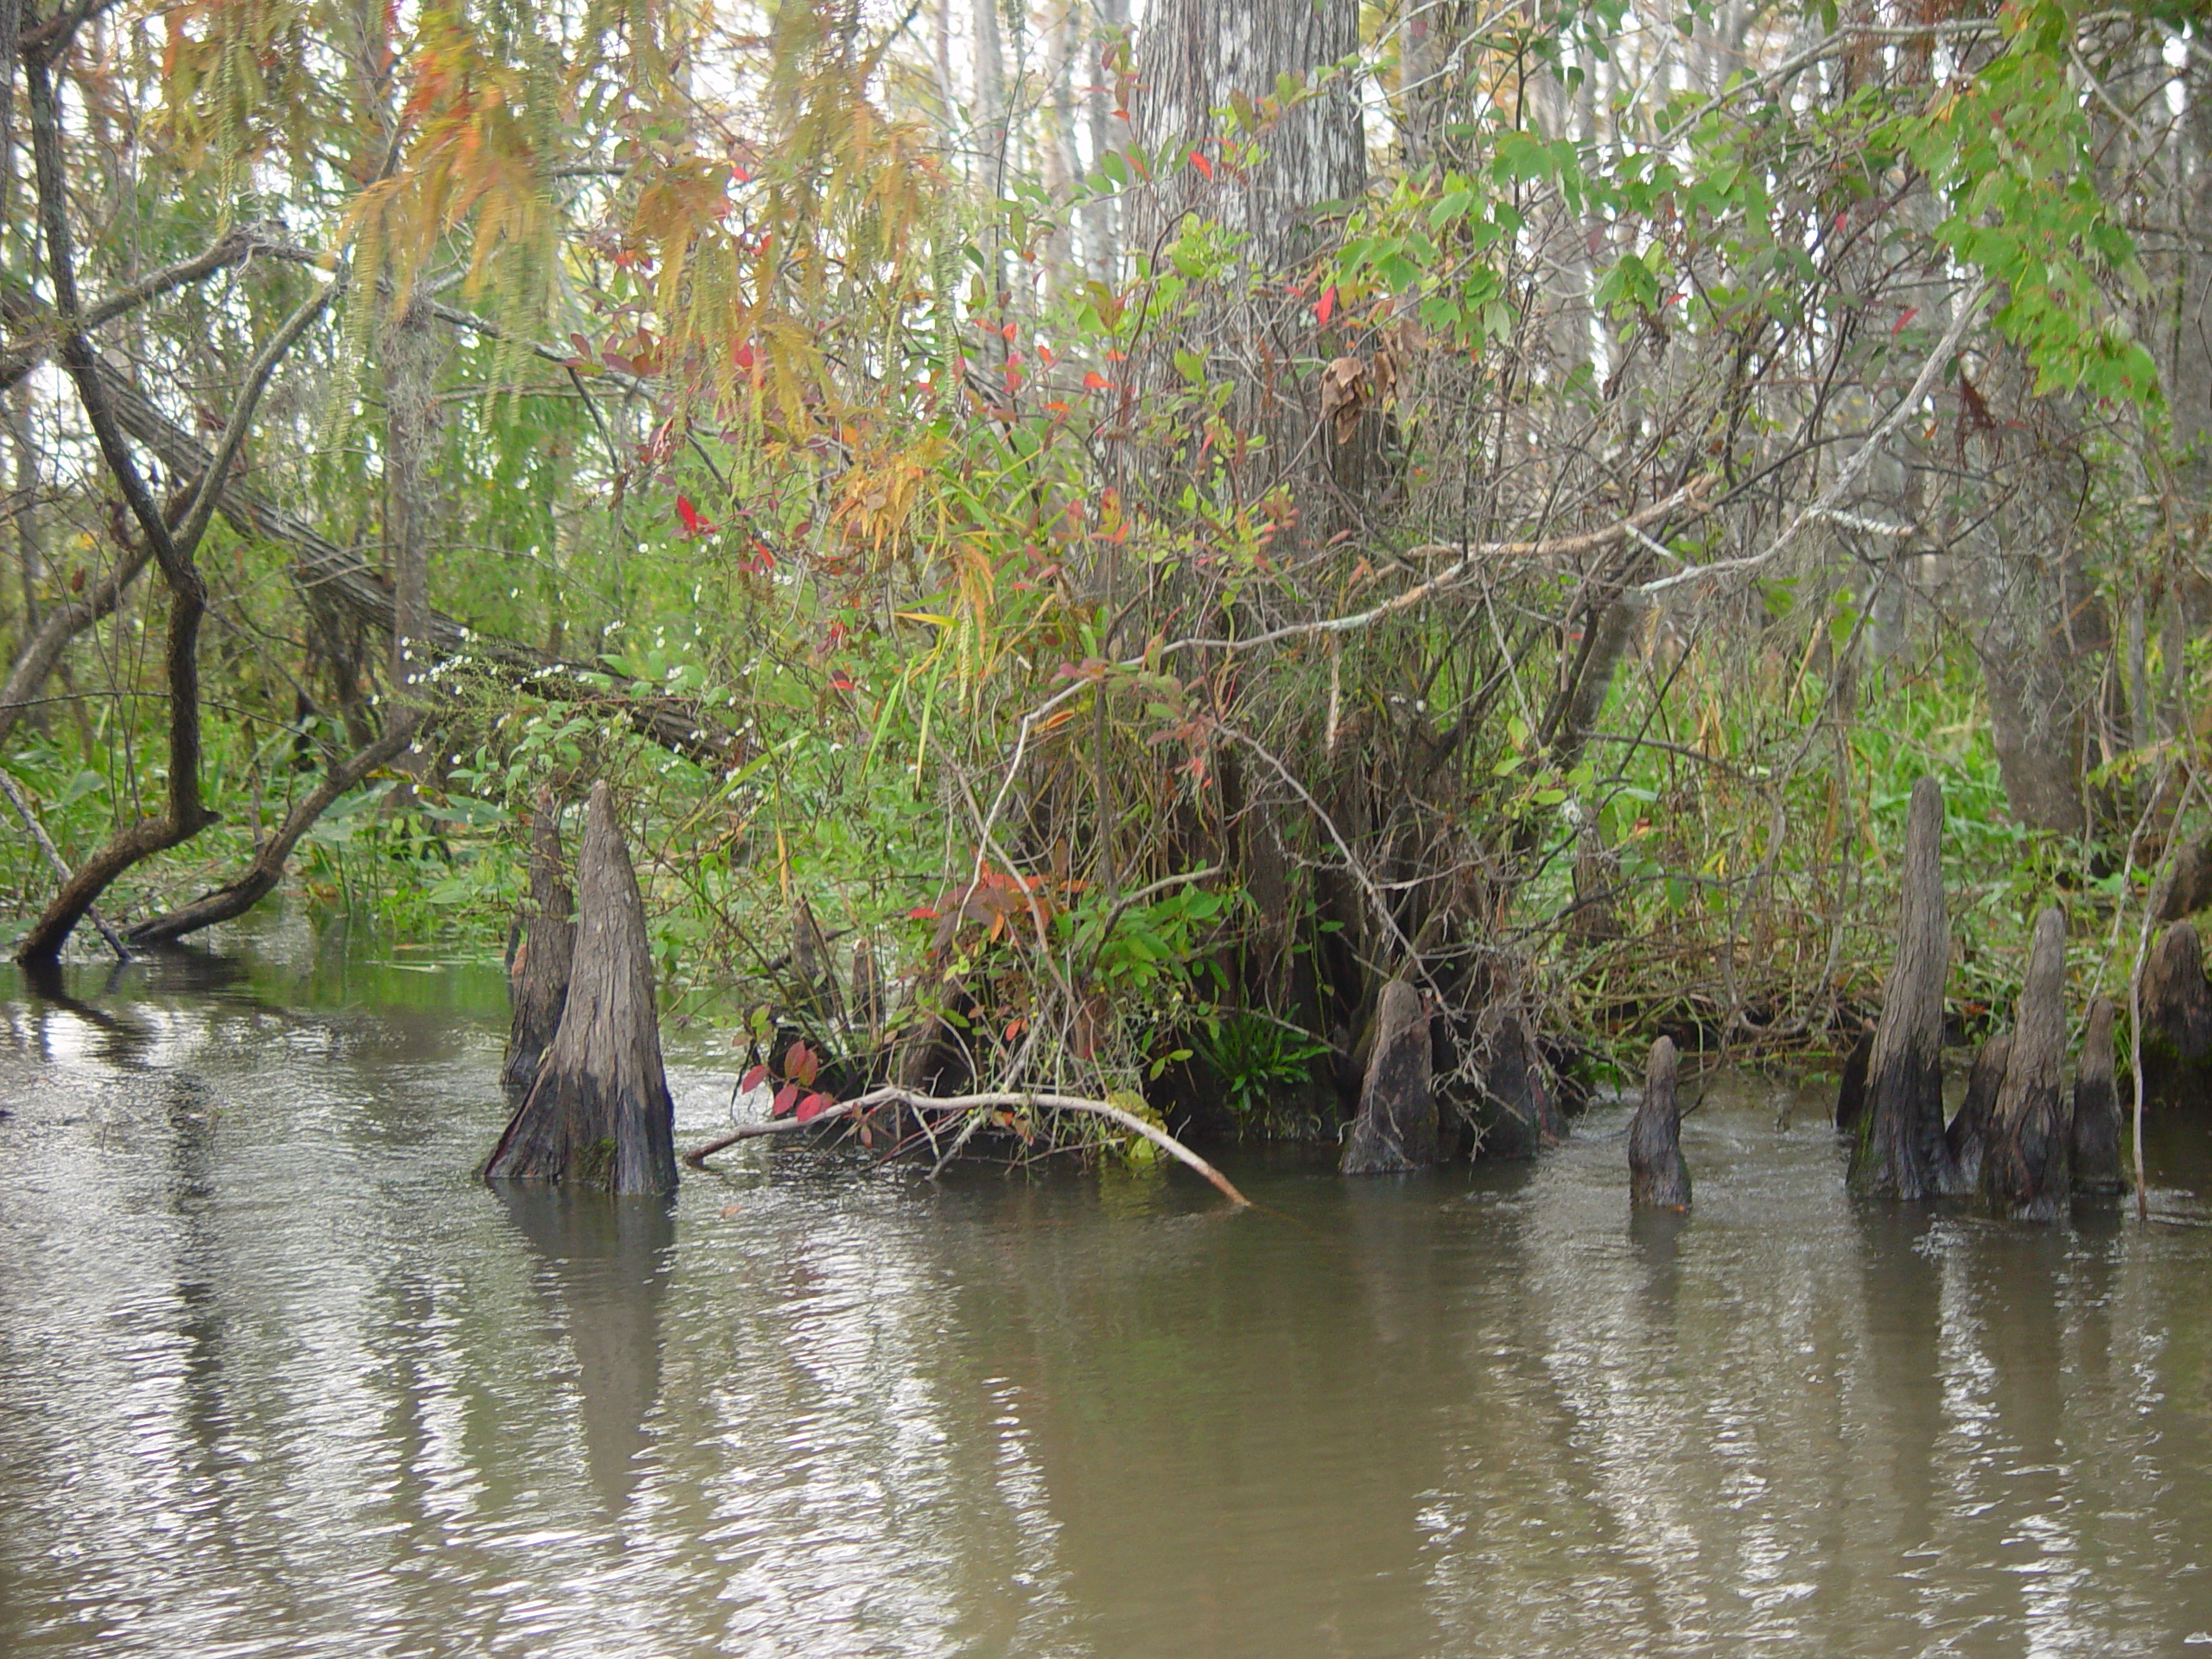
(1148, 526)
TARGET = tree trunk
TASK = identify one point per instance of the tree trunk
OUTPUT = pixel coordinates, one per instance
(600, 1113)
(538, 979)
(2024, 1166)
(237, 897)
(1395, 1129)
(1658, 1179)
(1901, 1152)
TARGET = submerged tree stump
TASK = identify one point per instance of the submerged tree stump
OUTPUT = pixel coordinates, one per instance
(1901, 1152)
(1397, 1126)
(598, 1112)
(2177, 1016)
(1519, 1115)
(2024, 1163)
(1969, 1131)
(2096, 1153)
(537, 976)
(1657, 1177)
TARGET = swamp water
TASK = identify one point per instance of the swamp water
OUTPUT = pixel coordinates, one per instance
(278, 1377)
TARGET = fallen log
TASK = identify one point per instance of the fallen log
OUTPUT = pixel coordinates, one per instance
(1395, 1129)
(1901, 1152)
(2024, 1163)
(1658, 1179)
(538, 978)
(958, 1105)
(2095, 1153)
(598, 1112)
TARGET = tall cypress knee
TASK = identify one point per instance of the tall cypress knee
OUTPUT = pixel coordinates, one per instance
(2096, 1149)
(1658, 1179)
(600, 1112)
(1901, 1152)
(538, 978)
(2024, 1164)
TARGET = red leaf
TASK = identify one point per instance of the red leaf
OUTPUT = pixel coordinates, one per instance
(752, 1079)
(1910, 312)
(839, 681)
(812, 1106)
(801, 1063)
(693, 523)
(1202, 164)
(786, 1097)
(924, 913)
(1096, 382)
(1327, 308)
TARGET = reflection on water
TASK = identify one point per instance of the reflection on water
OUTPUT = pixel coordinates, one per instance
(277, 1376)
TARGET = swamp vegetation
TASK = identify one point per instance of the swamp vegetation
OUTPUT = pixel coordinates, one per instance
(1123, 561)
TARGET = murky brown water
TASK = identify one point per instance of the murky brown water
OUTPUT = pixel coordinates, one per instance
(278, 1377)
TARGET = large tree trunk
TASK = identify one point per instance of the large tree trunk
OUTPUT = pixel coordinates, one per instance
(600, 1112)
(1192, 58)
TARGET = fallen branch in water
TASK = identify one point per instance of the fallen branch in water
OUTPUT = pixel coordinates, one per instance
(892, 1095)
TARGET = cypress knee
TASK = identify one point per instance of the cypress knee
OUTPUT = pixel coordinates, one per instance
(2096, 1165)
(1969, 1130)
(2024, 1163)
(1518, 1115)
(599, 1113)
(538, 978)
(2176, 1014)
(1901, 1152)
(1851, 1095)
(1657, 1177)
(1397, 1126)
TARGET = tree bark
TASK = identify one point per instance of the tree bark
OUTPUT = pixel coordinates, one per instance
(2025, 1166)
(1901, 1152)
(600, 1113)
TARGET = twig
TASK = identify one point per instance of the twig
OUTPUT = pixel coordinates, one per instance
(891, 1095)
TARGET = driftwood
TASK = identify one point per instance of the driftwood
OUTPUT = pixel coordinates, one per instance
(958, 1105)
(2176, 1015)
(2096, 1152)
(1657, 1177)
(1519, 1115)
(2024, 1164)
(538, 977)
(1901, 1152)
(598, 1112)
(1395, 1128)
(1969, 1131)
